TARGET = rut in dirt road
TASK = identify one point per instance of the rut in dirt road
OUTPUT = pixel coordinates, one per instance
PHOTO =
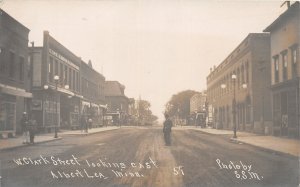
(152, 146)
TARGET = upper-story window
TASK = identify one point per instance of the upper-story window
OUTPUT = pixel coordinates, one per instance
(21, 69)
(294, 52)
(247, 72)
(11, 64)
(65, 74)
(50, 70)
(276, 69)
(56, 68)
(285, 66)
(61, 73)
(2, 60)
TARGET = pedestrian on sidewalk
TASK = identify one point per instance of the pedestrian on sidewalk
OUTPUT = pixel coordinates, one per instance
(24, 128)
(82, 123)
(32, 128)
(167, 130)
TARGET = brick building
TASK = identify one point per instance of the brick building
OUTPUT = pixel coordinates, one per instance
(285, 71)
(55, 85)
(92, 90)
(249, 64)
(117, 102)
(14, 74)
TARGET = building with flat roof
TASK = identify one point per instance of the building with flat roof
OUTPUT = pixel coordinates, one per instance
(15, 76)
(55, 85)
(238, 88)
(92, 90)
(285, 71)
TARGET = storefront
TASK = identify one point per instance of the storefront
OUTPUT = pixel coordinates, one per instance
(285, 110)
(13, 102)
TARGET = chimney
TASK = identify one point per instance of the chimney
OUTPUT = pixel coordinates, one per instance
(288, 3)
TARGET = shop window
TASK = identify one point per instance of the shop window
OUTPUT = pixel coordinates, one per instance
(7, 115)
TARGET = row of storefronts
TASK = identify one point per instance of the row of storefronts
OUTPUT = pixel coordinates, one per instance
(48, 83)
(256, 88)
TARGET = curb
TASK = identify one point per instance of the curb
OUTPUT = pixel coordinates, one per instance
(26, 145)
(89, 133)
(264, 148)
(211, 133)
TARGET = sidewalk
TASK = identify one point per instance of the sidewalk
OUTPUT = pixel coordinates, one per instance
(11, 143)
(90, 131)
(271, 143)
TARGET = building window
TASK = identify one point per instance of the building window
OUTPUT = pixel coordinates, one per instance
(242, 74)
(238, 78)
(21, 69)
(56, 68)
(294, 61)
(276, 69)
(66, 74)
(11, 64)
(285, 65)
(70, 78)
(61, 73)
(7, 113)
(2, 60)
(50, 70)
(74, 80)
(247, 72)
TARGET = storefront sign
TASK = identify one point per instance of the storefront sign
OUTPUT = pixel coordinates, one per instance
(62, 58)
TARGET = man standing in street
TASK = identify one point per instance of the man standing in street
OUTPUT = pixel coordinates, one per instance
(32, 128)
(167, 130)
(24, 128)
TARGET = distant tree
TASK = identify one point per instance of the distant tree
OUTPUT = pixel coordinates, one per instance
(179, 104)
(143, 112)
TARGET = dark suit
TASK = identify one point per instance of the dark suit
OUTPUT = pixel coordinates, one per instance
(167, 131)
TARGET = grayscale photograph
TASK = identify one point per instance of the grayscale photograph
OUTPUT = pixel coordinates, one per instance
(149, 93)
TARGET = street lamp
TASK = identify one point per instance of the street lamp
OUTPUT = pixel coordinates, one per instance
(56, 78)
(46, 87)
(233, 76)
(223, 86)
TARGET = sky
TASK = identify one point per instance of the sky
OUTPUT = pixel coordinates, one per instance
(156, 48)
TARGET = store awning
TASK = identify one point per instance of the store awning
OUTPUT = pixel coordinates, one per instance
(14, 91)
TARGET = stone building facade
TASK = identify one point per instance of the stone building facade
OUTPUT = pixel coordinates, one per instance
(249, 63)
